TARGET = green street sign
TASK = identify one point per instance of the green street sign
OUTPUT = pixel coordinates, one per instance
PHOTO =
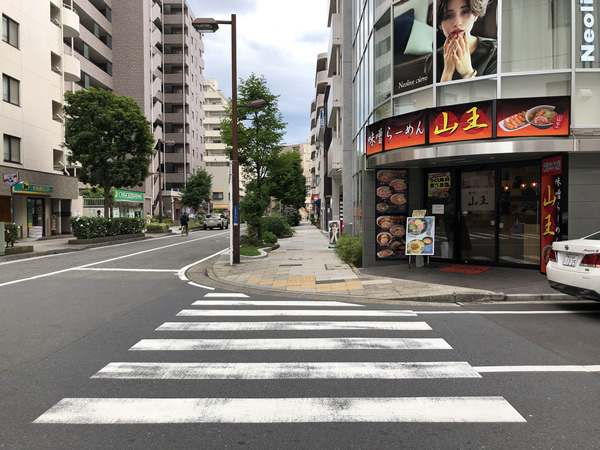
(130, 196)
(32, 189)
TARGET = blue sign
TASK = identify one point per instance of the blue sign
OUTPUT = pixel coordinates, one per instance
(235, 214)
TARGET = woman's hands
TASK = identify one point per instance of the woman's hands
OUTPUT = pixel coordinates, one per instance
(457, 57)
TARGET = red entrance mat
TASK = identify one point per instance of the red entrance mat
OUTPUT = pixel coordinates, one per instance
(465, 268)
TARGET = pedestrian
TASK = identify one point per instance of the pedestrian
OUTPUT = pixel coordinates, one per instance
(99, 213)
(148, 218)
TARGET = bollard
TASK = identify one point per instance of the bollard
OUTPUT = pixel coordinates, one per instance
(2, 240)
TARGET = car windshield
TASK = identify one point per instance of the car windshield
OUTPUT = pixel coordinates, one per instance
(593, 237)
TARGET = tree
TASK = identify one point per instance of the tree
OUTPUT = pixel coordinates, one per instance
(98, 192)
(287, 183)
(260, 142)
(198, 189)
(110, 137)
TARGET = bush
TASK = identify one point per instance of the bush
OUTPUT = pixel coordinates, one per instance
(249, 251)
(155, 227)
(349, 249)
(250, 241)
(277, 225)
(11, 233)
(269, 238)
(93, 227)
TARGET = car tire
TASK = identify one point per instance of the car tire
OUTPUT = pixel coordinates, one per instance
(205, 227)
(221, 227)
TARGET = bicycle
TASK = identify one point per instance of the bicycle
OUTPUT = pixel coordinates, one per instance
(184, 229)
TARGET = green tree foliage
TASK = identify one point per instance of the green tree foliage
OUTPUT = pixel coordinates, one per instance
(252, 208)
(260, 134)
(110, 137)
(198, 189)
(98, 192)
(287, 183)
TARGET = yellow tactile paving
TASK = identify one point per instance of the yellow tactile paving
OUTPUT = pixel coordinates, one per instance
(266, 282)
(253, 280)
(279, 283)
(353, 285)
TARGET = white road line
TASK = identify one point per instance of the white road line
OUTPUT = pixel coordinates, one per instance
(181, 272)
(289, 370)
(174, 271)
(280, 410)
(272, 303)
(286, 326)
(292, 344)
(292, 312)
(539, 368)
(226, 295)
(191, 283)
(35, 277)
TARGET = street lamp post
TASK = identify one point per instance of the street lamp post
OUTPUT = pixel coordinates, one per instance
(209, 25)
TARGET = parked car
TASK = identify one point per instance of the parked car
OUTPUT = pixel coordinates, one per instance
(574, 267)
(215, 220)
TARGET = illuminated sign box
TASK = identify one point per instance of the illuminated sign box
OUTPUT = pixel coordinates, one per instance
(492, 119)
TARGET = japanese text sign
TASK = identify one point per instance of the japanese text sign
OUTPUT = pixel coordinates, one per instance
(551, 213)
(464, 122)
(405, 131)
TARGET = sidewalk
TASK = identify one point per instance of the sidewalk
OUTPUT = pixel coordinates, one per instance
(304, 265)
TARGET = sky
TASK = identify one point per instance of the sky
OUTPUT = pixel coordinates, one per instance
(279, 39)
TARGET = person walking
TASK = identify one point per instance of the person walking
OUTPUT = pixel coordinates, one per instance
(183, 221)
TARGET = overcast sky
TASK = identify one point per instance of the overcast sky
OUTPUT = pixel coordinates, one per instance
(279, 39)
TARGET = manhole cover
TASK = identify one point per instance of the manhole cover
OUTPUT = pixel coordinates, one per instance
(336, 266)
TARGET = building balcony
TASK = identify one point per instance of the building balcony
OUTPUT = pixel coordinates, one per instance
(176, 78)
(71, 68)
(177, 39)
(334, 102)
(156, 14)
(334, 158)
(70, 22)
(335, 42)
(321, 80)
(174, 97)
(175, 158)
(178, 177)
(176, 137)
(174, 117)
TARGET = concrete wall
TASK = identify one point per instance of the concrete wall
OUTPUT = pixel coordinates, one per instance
(583, 195)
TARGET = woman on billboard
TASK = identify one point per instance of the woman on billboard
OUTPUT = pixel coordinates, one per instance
(463, 55)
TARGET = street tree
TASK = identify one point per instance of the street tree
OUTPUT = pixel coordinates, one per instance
(110, 137)
(198, 189)
(260, 134)
(287, 183)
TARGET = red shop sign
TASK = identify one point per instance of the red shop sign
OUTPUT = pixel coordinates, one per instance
(465, 122)
(551, 211)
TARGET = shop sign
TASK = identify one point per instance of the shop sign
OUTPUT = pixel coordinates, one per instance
(391, 210)
(314, 197)
(520, 117)
(420, 236)
(551, 210)
(478, 199)
(588, 30)
(464, 122)
(523, 117)
(405, 131)
(11, 178)
(32, 189)
(129, 196)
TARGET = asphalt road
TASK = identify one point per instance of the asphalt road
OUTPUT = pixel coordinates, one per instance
(134, 358)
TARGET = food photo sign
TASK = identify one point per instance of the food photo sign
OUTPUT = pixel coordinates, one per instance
(391, 209)
(519, 117)
(420, 236)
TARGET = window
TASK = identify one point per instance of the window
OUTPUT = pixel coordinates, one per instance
(12, 149)
(217, 195)
(10, 90)
(10, 31)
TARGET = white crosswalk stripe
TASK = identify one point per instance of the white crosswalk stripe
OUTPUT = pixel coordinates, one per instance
(337, 316)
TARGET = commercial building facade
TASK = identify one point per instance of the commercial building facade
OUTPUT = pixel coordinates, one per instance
(498, 183)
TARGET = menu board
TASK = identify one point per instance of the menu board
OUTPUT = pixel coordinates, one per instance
(391, 209)
(420, 235)
(391, 237)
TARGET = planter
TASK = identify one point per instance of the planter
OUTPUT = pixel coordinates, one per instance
(18, 249)
(98, 240)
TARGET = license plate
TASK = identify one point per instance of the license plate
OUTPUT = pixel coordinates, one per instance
(570, 260)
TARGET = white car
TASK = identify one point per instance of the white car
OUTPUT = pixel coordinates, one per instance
(215, 220)
(574, 267)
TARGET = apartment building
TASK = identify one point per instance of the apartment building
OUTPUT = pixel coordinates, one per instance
(217, 163)
(146, 49)
(37, 192)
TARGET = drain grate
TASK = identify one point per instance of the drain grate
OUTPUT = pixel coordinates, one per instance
(329, 281)
(336, 266)
(289, 265)
(290, 249)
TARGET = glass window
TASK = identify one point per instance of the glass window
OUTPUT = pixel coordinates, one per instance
(467, 92)
(383, 60)
(414, 101)
(10, 90)
(12, 149)
(10, 31)
(539, 85)
(587, 92)
(536, 35)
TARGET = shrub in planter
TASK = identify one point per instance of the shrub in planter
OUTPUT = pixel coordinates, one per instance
(269, 238)
(277, 225)
(93, 227)
(349, 249)
(247, 241)
(11, 233)
(156, 227)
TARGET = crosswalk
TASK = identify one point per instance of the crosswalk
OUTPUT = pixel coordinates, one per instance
(352, 319)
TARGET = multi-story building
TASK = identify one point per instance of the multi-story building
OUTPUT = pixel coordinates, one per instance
(502, 153)
(35, 65)
(147, 50)
(217, 163)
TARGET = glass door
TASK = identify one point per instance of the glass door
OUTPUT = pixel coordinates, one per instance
(477, 217)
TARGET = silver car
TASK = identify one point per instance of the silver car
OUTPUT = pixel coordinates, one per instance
(215, 220)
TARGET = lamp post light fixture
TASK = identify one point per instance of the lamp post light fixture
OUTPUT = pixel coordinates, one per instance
(160, 198)
(209, 25)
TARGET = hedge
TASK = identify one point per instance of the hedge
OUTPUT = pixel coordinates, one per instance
(11, 233)
(93, 227)
(349, 249)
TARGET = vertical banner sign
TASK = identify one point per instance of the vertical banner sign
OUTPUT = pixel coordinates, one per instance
(552, 172)
(391, 210)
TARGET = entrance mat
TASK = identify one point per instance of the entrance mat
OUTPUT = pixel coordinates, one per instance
(465, 268)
